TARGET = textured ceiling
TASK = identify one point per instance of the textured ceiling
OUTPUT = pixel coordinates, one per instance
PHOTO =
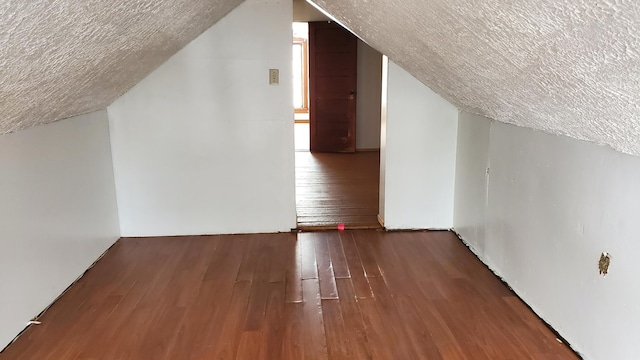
(66, 57)
(568, 67)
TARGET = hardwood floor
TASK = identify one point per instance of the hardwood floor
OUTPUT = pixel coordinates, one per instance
(334, 189)
(362, 294)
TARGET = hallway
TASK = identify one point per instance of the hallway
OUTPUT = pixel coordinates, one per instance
(333, 188)
(363, 294)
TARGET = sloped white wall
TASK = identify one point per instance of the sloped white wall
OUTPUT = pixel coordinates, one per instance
(417, 154)
(547, 209)
(204, 144)
(57, 213)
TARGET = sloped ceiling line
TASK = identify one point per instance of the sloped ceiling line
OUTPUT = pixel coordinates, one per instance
(64, 58)
(569, 67)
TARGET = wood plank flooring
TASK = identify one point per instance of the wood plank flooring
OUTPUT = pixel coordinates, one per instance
(361, 294)
(334, 189)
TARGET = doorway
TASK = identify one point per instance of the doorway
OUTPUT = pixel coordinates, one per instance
(334, 189)
(333, 71)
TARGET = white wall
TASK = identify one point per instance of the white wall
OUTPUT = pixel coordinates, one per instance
(304, 12)
(57, 214)
(418, 154)
(472, 177)
(383, 138)
(368, 97)
(204, 144)
(548, 208)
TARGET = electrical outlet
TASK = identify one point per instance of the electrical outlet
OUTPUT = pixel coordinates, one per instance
(274, 76)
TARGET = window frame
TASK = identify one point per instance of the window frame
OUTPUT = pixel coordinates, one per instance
(305, 75)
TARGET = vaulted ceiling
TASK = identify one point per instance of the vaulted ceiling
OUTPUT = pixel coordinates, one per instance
(569, 67)
(60, 58)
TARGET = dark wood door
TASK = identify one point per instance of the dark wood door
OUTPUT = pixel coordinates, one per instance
(332, 87)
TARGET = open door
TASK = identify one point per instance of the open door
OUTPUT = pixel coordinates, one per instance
(332, 87)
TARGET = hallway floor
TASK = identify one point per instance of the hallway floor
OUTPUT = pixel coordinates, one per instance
(334, 189)
(362, 294)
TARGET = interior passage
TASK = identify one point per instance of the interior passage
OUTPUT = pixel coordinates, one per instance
(361, 294)
(335, 188)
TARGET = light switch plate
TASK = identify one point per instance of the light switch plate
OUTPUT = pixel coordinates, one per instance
(274, 76)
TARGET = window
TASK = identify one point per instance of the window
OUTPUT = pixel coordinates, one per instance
(300, 76)
(300, 69)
